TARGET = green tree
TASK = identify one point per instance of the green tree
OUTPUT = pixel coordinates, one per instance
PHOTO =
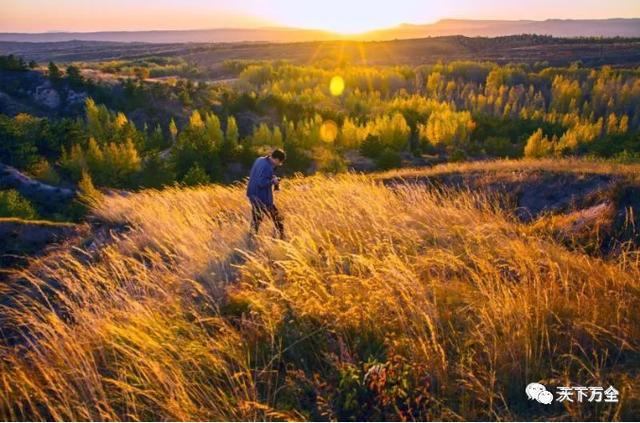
(213, 130)
(73, 162)
(372, 146)
(196, 176)
(18, 137)
(388, 159)
(121, 162)
(155, 140)
(230, 146)
(156, 172)
(196, 145)
(74, 76)
(276, 139)
(12, 63)
(54, 72)
(262, 136)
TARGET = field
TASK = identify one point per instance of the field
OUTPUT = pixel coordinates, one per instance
(387, 301)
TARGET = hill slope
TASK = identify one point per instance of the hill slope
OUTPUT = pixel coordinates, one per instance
(385, 303)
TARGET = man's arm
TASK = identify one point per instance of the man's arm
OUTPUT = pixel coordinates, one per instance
(265, 176)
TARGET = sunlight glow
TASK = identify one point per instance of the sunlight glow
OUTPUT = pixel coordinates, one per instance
(348, 17)
(328, 131)
(336, 86)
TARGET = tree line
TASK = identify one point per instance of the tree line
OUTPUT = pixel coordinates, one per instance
(455, 110)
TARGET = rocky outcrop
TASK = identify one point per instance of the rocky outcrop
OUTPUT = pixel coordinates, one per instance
(47, 96)
(33, 93)
(74, 98)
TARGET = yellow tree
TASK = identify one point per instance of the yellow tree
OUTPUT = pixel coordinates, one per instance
(173, 129)
(195, 120)
(538, 145)
(447, 128)
(213, 129)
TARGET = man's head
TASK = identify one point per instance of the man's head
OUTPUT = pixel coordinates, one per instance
(277, 157)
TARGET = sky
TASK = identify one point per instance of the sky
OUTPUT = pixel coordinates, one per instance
(343, 16)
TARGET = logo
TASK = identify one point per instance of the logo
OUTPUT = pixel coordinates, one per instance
(538, 392)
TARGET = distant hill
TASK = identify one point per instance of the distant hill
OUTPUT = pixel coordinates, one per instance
(494, 28)
(218, 35)
(470, 28)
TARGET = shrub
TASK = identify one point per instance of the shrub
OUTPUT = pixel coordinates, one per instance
(196, 176)
(12, 204)
(44, 172)
(500, 147)
(372, 146)
(88, 192)
(388, 159)
(458, 156)
(156, 172)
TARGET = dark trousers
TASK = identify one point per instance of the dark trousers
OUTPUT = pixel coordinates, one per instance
(259, 210)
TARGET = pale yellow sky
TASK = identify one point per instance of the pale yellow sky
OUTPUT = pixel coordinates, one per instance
(348, 16)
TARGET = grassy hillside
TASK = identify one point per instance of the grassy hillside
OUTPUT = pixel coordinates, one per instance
(384, 303)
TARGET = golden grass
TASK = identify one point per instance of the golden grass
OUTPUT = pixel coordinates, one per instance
(184, 317)
(594, 166)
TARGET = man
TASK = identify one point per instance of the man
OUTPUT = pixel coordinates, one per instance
(262, 181)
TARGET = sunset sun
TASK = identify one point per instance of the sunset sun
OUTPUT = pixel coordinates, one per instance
(350, 17)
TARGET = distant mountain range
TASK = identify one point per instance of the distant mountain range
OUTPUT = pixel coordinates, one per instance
(471, 28)
(495, 28)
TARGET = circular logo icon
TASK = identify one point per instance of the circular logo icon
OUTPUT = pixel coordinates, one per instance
(538, 392)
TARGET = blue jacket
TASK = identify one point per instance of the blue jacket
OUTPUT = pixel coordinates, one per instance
(259, 187)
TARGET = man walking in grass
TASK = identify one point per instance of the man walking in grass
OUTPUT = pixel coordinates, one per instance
(262, 182)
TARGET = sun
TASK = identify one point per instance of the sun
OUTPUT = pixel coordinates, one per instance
(346, 17)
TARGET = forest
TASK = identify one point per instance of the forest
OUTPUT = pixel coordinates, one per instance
(144, 129)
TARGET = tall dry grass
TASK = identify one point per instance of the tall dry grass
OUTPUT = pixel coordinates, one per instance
(570, 164)
(382, 304)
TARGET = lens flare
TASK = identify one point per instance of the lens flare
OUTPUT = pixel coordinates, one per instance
(328, 131)
(336, 86)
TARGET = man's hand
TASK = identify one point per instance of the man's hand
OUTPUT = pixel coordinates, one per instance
(275, 180)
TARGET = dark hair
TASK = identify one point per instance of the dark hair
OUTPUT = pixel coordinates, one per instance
(278, 154)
